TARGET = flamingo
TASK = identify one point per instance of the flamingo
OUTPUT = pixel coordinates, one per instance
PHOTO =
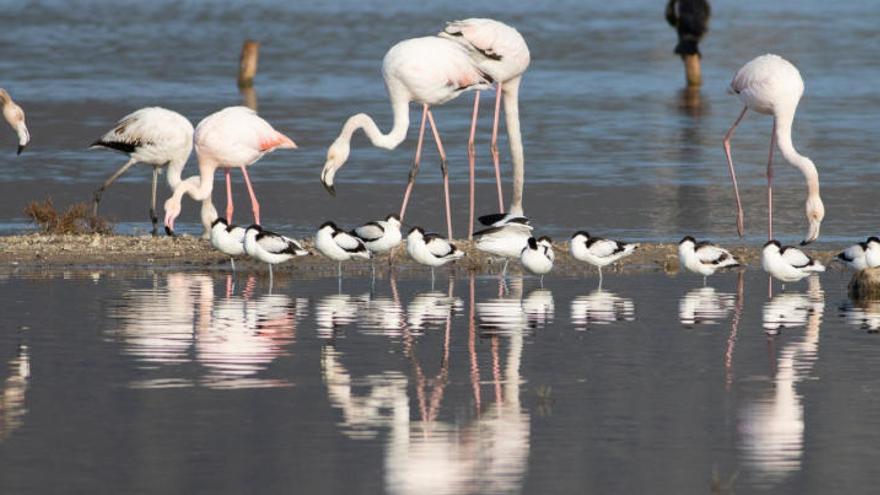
(771, 85)
(430, 71)
(14, 115)
(152, 136)
(690, 18)
(501, 52)
(232, 137)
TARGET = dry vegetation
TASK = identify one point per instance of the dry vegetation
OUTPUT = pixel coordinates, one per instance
(77, 219)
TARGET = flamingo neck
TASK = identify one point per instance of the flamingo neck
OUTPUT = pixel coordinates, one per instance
(514, 137)
(400, 107)
(175, 171)
(4, 97)
(804, 164)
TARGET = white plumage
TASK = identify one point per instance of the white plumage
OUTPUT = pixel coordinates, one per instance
(152, 136)
(872, 254)
(788, 264)
(598, 251)
(271, 248)
(339, 245)
(380, 236)
(855, 256)
(704, 257)
(228, 239)
(537, 257)
(507, 240)
(430, 249)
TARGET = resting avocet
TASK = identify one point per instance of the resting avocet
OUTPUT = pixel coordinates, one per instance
(502, 219)
(704, 257)
(537, 257)
(228, 239)
(854, 256)
(339, 245)
(431, 249)
(788, 263)
(380, 236)
(270, 248)
(598, 251)
(506, 241)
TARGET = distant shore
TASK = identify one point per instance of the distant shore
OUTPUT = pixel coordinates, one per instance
(187, 252)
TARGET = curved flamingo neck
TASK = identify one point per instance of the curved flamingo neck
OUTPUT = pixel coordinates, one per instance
(400, 107)
(175, 172)
(784, 120)
(514, 137)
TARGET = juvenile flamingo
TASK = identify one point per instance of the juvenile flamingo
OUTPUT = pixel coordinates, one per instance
(232, 137)
(501, 52)
(429, 71)
(14, 115)
(771, 85)
(152, 136)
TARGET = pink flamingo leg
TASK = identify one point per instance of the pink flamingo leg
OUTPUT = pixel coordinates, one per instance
(770, 184)
(472, 157)
(229, 207)
(496, 158)
(740, 226)
(444, 169)
(255, 206)
(415, 166)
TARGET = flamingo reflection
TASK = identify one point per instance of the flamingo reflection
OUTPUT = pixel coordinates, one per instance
(232, 339)
(772, 427)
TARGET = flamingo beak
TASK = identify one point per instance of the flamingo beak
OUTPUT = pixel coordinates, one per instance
(169, 231)
(331, 189)
(21, 148)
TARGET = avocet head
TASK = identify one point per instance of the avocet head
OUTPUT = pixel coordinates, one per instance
(416, 233)
(337, 154)
(329, 226)
(815, 215)
(393, 219)
(687, 240)
(873, 241)
(581, 234)
(219, 221)
(545, 241)
(772, 247)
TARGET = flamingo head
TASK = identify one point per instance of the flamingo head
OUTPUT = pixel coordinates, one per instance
(15, 116)
(815, 214)
(337, 154)
(172, 211)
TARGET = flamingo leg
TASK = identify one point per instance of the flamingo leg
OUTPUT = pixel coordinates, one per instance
(153, 217)
(472, 157)
(496, 158)
(444, 169)
(229, 206)
(415, 166)
(740, 226)
(770, 184)
(255, 206)
(108, 182)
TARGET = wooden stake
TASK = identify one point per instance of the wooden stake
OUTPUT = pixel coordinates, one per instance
(248, 66)
(692, 69)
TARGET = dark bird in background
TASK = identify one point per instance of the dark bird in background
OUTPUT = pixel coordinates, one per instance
(690, 18)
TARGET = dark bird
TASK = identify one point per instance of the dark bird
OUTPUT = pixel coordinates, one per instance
(690, 18)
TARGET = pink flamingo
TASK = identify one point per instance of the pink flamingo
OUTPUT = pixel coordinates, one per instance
(771, 85)
(501, 52)
(232, 137)
(429, 71)
(14, 115)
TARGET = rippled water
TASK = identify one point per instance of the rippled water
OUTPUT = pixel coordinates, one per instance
(169, 382)
(603, 114)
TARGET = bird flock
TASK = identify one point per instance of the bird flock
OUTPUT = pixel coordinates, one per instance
(470, 55)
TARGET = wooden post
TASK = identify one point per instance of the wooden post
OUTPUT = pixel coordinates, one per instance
(692, 69)
(865, 284)
(248, 66)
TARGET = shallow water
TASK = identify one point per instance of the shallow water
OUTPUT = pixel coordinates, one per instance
(602, 108)
(172, 382)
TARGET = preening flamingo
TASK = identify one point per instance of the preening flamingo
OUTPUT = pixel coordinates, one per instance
(501, 52)
(14, 115)
(771, 85)
(429, 71)
(152, 136)
(690, 18)
(232, 137)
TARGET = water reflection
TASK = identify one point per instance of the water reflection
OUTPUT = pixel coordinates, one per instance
(487, 452)
(704, 306)
(12, 395)
(864, 314)
(601, 307)
(772, 427)
(511, 312)
(334, 312)
(181, 322)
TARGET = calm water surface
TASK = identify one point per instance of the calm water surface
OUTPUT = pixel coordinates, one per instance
(164, 382)
(603, 114)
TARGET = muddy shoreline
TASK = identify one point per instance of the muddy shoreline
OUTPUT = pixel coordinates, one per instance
(43, 251)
